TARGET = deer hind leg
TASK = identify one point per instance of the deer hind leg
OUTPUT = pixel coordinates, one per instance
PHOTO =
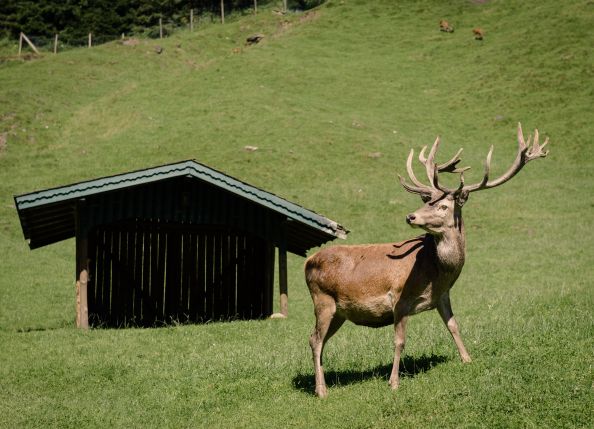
(444, 307)
(399, 341)
(327, 323)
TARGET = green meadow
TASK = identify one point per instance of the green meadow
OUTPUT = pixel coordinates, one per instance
(334, 99)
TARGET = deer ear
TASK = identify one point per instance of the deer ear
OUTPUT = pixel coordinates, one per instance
(461, 197)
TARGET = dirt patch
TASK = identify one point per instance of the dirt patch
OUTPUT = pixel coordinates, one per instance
(130, 42)
(286, 24)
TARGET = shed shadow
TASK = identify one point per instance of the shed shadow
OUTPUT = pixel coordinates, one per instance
(409, 368)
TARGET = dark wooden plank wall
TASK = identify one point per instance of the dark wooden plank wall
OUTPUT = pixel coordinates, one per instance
(151, 273)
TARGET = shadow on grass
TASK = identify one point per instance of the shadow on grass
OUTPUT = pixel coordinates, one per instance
(409, 367)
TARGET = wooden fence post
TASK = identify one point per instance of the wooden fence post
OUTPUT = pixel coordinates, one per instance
(20, 43)
(160, 28)
(90, 39)
(222, 11)
(23, 36)
(255, 7)
(56, 43)
(284, 5)
(191, 19)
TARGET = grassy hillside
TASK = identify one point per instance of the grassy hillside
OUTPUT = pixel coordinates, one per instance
(320, 96)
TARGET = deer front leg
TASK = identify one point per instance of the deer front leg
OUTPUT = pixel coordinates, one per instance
(399, 340)
(444, 307)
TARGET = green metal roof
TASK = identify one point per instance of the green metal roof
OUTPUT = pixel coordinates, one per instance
(59, 200)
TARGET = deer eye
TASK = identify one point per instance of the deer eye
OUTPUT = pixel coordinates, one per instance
(443, 207)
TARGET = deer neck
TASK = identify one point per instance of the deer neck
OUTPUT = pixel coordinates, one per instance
(451, 246)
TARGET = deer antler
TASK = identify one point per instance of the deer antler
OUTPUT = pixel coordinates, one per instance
(432, 169)
(527, 151)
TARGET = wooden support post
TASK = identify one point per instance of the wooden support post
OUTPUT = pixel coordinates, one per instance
(20, 43)
(82, 271)
(191, 19)
(222, 11)
(90, 39)
(282, 282)
(285, 6)
(160, 28)
(28, 42)
(56, 43)
(255, 7)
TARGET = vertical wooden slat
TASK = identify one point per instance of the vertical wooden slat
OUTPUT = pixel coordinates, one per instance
(242, 281)
(145, 301)
(115, 272)
(151, 315)
(92, 288)
(100, 242)
(107, 298)
(160, 284)
(124, 280)
(132, 270)
(186, 274)
(229, 274)
(260, 272)
(268, 280)
(235, 266)
(209, 276)
(119, 275)
(138, 274)
(217, 277)
(172, 288)
(201, 299)
(249, 289)
(193, 287)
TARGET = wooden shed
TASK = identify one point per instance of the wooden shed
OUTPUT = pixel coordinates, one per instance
(179, 242)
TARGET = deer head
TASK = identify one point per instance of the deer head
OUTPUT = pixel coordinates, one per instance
(442, 209)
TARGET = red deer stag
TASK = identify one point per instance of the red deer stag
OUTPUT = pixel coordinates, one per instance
(381, 284)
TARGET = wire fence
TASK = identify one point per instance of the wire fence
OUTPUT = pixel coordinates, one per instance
(166, 27)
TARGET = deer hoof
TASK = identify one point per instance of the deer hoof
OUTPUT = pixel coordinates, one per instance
(321, 392)
(394, 384)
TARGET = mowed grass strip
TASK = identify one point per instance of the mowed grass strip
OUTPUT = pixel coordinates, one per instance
(320, 97)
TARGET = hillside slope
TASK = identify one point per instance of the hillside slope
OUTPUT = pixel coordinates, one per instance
(334, 99)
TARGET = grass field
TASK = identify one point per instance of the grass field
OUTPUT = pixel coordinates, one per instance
(317, 96)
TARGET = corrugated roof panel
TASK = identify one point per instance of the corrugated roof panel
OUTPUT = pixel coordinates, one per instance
(47, 216)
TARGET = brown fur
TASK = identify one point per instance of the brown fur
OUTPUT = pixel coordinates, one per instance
(479, 33)
(445, 26)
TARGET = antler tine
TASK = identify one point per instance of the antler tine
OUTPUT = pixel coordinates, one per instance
(450, 166)
(433, 169)
(536, 150)
(418, 187)
(485, 180)
(430, 166)
(410, 171)
(413, 189)
(526, 152)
